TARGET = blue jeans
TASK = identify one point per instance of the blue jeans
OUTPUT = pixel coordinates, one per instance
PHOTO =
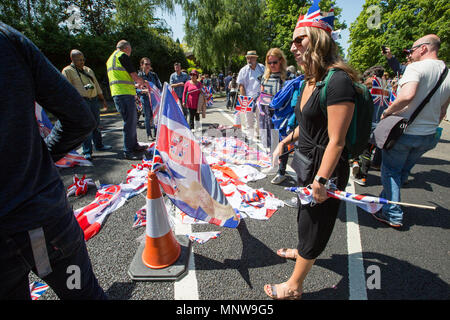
(126, 106)
(148, 114)
(66, 248)
(96, 135)
(396, 165)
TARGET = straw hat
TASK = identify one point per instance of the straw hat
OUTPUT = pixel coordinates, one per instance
(251, 53)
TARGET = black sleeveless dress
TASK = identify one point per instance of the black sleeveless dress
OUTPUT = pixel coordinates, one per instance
(316, 223)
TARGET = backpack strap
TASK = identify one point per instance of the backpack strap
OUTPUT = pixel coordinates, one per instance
(322, 85)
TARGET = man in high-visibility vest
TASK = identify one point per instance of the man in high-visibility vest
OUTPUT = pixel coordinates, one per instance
(122, 78)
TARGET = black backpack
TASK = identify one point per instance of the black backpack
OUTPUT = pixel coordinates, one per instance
(359, 131)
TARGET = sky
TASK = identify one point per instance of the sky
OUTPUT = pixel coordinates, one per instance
(350, 11)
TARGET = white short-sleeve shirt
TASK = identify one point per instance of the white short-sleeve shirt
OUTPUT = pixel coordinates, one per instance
(426, 73)
(250, 79)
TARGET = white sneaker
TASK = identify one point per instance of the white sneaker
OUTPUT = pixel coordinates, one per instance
(355, 169)
(278, 179)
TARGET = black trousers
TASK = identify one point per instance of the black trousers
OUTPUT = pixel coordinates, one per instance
(193, 115)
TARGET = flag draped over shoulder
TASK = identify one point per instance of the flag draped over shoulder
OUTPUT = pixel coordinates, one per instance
(186, 177)
(71, 159)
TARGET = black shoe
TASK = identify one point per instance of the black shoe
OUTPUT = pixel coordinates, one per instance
(131, 156)
(140, 148)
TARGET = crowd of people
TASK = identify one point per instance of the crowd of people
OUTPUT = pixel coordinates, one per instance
(35, 211)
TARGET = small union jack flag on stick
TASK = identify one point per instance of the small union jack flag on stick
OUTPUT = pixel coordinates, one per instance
(245, 103)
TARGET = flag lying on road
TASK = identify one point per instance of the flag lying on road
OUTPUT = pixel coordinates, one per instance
(245, 103)
(186, 177)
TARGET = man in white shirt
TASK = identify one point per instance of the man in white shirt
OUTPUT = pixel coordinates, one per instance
(419, 79)
(249, 80)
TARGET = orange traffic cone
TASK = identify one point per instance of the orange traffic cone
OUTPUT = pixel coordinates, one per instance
(161, 247)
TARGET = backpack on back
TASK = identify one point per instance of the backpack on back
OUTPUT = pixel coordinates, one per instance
(359, 131)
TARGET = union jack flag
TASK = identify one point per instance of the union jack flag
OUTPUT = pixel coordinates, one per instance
(71, 159)
(314, 18)
(368, 203)
(155, 100)
(208, 92)
(188, 180)
(392, 97)
(37, 289)
(140, 219)
(245, 103)
(380, 98)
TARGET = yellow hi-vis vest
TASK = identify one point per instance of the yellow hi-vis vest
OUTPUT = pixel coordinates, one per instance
(120, 81)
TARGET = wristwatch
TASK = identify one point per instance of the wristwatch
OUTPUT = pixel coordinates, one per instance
(321, 180)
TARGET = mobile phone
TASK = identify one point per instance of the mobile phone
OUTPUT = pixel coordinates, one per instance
(383, 48)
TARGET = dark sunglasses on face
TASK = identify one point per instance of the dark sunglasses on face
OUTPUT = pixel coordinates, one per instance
(410, 51)
(298, 40)
(272, 62)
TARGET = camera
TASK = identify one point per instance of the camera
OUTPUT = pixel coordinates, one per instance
(383, 48)
(89, 86)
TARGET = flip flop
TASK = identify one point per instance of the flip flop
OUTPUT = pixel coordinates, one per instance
(283, 253)
(292, 295)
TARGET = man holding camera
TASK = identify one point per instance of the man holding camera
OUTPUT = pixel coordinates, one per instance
(84, 80)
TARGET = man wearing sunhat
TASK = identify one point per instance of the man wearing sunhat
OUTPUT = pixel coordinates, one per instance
(249, 80)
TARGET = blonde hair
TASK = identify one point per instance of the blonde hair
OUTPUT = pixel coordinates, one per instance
(276, 52)
(322, 54)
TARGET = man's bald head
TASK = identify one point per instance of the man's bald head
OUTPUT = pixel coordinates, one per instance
(433, 40)
(77, 58)
(75, 53)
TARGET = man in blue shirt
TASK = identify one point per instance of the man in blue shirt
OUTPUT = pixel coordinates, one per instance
(177, 81)
(38, 229)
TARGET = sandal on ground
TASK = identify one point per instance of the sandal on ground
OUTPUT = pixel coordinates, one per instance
(283, 252)
(281, 294)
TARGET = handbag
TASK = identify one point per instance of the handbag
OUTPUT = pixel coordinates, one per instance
(390, 129)
(201, 105)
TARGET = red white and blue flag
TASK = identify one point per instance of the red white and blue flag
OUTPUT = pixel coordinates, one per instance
(187, 179)
(208, 92)
(37, 289)
(368, 203)
(71, 159)
(380, 96)
(392, 97)
(155, 100)
(316, 18)
(244, 103)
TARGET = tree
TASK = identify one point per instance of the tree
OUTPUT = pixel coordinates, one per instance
(217, 30)
(280, 18)
(396, 24)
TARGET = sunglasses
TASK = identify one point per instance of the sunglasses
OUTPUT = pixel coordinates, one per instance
(146, 64)
(273, 62)
(298, 41)
(410, 51)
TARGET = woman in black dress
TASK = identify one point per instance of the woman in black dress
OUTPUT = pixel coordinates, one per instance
(320, 147)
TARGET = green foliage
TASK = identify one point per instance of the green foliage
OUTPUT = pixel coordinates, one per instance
(218, 30)
(103, 24)
(402, 23)
(280, 18)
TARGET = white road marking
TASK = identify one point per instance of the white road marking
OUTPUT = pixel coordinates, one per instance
(356, 274)
(187, 287)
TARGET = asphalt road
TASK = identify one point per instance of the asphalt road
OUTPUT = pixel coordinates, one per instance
(412, 263)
